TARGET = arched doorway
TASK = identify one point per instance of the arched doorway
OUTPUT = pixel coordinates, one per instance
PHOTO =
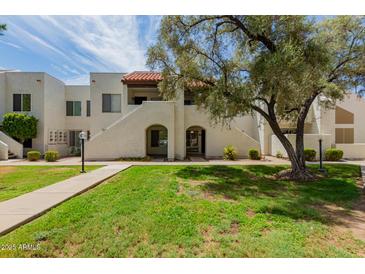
(156, 141)
(195, 141)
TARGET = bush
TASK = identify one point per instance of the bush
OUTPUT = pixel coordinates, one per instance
(333, 154)
(20, 126)
(230, 153)
(33, 155)
(254, 154)
(279, 154)
(51, 156)
(309, 154)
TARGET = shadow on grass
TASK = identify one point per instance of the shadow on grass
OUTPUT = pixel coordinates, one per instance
(285, 198)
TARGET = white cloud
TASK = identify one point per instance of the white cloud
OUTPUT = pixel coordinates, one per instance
(76, 45)
(10, 44)
(112, 41)
(78, 80)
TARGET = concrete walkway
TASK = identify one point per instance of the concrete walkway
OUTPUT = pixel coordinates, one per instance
(74, 161)
(22, 209)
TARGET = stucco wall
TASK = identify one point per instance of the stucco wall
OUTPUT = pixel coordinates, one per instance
(30, 83)
(78, 93)
(310, 141)
(105, 83)
(352, 151)
(54, 111)
(13, 146)
(3, 151)
(2, 95)
(127, 136)
(217, 137)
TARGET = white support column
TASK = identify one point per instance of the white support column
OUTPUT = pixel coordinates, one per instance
(180, 151)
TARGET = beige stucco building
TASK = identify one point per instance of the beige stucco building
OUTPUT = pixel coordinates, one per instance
(125, 116)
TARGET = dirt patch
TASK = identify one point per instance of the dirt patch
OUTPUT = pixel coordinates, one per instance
(250, 213)
(7, 169)
(235, 227)
(347, 220)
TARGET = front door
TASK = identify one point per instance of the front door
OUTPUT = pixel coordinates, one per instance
(193, 141)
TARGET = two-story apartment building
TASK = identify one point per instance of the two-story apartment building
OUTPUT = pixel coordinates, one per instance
(125, 116)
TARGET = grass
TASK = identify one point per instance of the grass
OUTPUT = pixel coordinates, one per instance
(18, 180)
(196, 211)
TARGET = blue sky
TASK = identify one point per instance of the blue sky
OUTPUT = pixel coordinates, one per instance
(69, 47)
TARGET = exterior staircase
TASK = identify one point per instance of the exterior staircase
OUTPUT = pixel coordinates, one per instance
(11, 155)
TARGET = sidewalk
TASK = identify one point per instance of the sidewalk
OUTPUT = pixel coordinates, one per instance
(74, 161)
(22, 209)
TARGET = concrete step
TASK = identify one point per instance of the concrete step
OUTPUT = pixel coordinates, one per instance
(11, 155)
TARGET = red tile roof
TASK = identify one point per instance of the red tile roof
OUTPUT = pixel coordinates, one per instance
(142, 77)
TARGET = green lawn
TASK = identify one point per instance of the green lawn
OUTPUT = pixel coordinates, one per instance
(17, 180)
(197, 211)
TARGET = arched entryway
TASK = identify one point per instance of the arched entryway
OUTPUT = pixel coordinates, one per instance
(195, 141)
(156, 141)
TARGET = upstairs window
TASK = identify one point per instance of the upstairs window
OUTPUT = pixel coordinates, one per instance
(73, 108)
(343, 116)
(111, 103)
(88, 108)
(21, 102)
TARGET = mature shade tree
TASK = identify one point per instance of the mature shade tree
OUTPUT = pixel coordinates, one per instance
(273, 65)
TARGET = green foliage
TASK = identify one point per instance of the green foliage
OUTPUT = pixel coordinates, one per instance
(18, 180)
(274, 65)
(309, 154)
(51, 156)
(279, 154)
(254, 154)
(333, 154)
(33, 155)
(20, 126)
(243, 211)
(230, 153)
(2, 28)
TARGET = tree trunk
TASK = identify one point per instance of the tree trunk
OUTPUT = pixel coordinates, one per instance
(298, 169)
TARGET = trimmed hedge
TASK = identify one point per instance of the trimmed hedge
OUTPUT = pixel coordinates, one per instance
(254, 154)
(333, 154)
(309, 154)
(33, 155)
(230, 153)
(51, 156)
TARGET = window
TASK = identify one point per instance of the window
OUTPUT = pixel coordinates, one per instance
(74, 140)
(344, 136)
(21, 102)
(73, 108)
(111, 103)
(88, 108)
(343, 116)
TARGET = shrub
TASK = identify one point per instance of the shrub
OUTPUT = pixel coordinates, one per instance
(333, 154)
(309, 154)
(279, 154)
(51, 156)
(20, 126)
(254, 154)
(230, 153)
(33, 155)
